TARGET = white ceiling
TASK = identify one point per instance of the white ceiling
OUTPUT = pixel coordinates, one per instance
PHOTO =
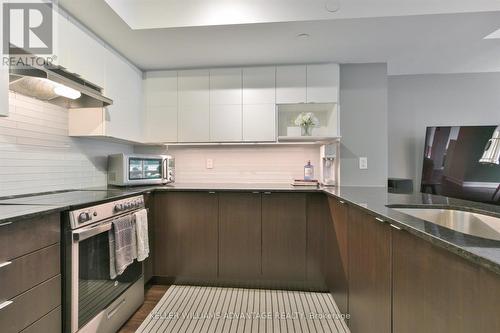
(439, 43)
(154, 14)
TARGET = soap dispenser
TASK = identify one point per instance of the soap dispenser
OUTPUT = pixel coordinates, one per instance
(308, 171)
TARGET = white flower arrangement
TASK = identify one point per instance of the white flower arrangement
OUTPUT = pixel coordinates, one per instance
(306, 119)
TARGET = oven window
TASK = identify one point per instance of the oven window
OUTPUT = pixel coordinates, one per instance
(95, 288)
(140, 168)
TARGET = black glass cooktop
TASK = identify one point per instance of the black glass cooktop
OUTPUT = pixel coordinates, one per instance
(68, 198)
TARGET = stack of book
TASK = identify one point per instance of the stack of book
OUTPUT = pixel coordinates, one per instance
(303, 182)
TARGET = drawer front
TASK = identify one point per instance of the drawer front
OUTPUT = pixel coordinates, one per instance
(51, 322)
(22, 237)
(28, 271)
(30, 306)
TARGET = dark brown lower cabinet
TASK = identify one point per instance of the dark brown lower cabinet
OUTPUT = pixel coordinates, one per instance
(186, 235)
(240, 231)
(318, 217)
(437, 291)
(336, 253)
(284, 236)
(369, 273)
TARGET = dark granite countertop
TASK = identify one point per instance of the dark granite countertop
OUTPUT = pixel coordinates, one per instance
(11, 213)
(374, 200)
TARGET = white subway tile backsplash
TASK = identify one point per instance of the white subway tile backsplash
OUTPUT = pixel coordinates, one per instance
(241, 164)
(36, 154)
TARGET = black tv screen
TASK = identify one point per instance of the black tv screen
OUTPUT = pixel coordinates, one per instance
(463, 162)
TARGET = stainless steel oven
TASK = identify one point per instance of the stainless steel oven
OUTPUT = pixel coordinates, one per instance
(93, 301)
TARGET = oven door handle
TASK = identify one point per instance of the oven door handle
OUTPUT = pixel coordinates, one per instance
(85, 233)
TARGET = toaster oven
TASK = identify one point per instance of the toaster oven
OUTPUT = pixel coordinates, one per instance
(138, 169)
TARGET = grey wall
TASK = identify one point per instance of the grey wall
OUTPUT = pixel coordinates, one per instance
(418, 101)
(363, 123)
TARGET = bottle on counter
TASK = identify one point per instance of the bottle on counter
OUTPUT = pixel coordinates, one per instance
(308, 171)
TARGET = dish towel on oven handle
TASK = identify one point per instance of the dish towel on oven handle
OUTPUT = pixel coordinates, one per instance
(122, 245)
(141, 226)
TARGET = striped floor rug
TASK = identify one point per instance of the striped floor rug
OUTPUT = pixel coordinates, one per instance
(212, 309)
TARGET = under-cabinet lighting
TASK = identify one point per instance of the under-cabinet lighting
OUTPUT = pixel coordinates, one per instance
(67, 92)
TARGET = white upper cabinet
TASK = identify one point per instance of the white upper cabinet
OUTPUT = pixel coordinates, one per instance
(291, 84)
(322, 83)
(193, 87)
(4, 81)
(259, 104)
(63, 35)
(194, 123)
(225, 104)
(225, 123)
(124, 119)
(225, 86)
(259, 122)
(160, 90)
(233, 104)
(194, 106)
(259, 85)
(82, 54)
(161, 124)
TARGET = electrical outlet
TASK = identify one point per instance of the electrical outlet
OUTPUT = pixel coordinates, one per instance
(363, 163)
(210, 163)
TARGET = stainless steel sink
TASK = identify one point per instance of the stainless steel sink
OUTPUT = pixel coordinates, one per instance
(474, 224)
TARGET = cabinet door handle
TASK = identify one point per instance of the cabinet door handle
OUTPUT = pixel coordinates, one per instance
(267, 193)
(255, 192)
(342, 202)
(380, 220)
(5, 304)
(7, 263)
(4, 224)
(211, 192)
(395, 227)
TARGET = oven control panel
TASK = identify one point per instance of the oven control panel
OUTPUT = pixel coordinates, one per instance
(85, 216)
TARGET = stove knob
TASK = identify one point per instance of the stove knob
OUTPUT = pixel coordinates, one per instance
(83, 217)
(127, 205)
(95, 213)
(118, 208)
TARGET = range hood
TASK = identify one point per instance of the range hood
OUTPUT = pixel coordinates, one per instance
(57, 86)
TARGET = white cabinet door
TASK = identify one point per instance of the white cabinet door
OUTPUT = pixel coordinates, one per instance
(322, 83)
(225, 86)
(161, 88)
(291, 84)
(160, 93)
(124, 86)
(259, 85)
(225, 123)
(86, 56)
(194, 123)
(259, 122)
(63, 41)
(194, 106)
(161, 124)
(4, 80)
(194, 87)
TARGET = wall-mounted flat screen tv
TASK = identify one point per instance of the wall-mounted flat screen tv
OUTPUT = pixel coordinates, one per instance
(463, 162)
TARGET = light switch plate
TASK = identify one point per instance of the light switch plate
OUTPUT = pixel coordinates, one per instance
(363, 163)
(210, 163)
